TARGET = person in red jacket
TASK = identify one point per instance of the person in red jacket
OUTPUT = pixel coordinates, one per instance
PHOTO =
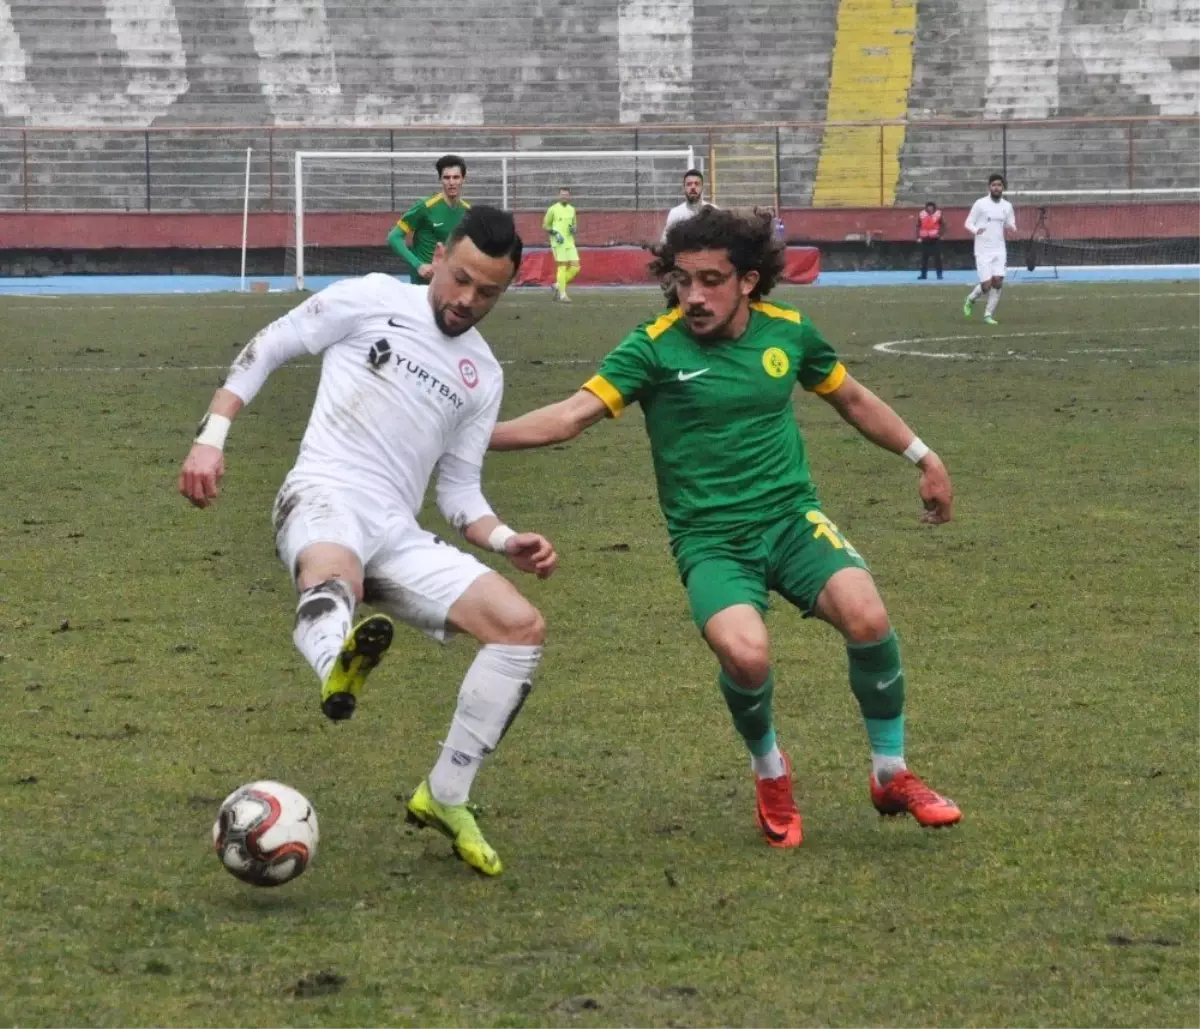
(929, 234)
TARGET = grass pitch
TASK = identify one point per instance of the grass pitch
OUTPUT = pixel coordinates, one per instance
(1050, 636)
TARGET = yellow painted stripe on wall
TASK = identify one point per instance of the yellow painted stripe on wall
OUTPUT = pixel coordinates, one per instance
(869, 81)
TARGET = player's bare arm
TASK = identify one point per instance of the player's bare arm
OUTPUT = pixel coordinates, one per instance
(528, 552)
(205, 464)
(554, 423)
(462, 503)
(882, 426)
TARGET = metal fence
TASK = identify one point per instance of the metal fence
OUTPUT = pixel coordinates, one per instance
(202, 169)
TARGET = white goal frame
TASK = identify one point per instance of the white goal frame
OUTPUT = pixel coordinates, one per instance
(687, 154)
(1043, 199)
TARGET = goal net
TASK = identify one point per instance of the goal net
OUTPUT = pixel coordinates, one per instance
(1067, 228)
(346, 202)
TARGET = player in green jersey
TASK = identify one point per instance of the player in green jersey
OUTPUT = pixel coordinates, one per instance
(715, 378)
(431, 221)
(560, 226)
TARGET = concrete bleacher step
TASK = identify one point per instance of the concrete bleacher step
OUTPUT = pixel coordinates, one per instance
(556, 64)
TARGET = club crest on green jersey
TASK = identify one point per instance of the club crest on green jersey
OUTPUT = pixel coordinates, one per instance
(776, 363)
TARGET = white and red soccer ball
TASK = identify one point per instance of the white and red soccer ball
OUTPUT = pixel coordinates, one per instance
(266, 833)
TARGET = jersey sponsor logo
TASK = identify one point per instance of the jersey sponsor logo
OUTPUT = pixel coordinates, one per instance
(469, 373)
(776, 363)
(686, 376)
(427, 381)
(380, 351)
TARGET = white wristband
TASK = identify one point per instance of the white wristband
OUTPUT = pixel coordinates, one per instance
(498, 538)
(916, 450)
(213, 430)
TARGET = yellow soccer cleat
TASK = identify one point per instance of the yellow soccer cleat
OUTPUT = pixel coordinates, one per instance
(458, 823)
(363, 650)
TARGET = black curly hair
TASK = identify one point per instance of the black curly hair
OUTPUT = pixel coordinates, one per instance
(747, 236)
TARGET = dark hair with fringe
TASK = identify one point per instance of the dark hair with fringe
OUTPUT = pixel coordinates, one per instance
(748, 237)
(997, 177)
(492, 230)
(451, 161)
(693, 173)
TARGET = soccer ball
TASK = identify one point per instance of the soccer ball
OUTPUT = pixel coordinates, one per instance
(266, 833)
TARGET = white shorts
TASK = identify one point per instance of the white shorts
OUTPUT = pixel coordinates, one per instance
(408, 573)
(990, 264)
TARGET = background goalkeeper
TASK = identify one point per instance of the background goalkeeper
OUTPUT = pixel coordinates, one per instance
(560, 226)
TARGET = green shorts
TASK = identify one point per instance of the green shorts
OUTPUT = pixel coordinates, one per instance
(565, 253)
(795, 556)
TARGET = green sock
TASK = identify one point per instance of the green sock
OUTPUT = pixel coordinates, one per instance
(572, 271)
(877, 681)
(561, 279)
(751, 710)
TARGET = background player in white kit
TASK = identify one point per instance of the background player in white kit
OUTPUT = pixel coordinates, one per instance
(990, 217)
(407, 384)
(693, 202)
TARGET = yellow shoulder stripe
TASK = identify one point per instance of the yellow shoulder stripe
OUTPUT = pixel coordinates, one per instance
(832, 381)
(465, 204)
(775, 311)
(663, 322)
(404, 226)
(608, 393)
(434, 199)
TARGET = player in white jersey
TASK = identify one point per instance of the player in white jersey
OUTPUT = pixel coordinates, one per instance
(407, 385)
(693, 202)
(990, 218)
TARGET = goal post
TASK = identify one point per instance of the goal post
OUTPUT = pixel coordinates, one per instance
(342, 196)
(1082, 227)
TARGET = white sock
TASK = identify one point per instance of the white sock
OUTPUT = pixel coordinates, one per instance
(770, 765)
(885, 767)
(323, 619)
(976, 293)
(993, 300)
(489, 699)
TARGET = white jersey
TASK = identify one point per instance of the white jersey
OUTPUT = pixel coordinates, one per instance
(682, 212)
(993, 216)
(396, 394)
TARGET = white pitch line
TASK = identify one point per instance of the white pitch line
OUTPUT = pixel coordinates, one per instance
(889, 346)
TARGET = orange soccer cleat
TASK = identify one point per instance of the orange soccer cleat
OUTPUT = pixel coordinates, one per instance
(778, 817)
(907, 794)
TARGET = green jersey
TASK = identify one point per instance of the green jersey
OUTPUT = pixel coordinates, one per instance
(431, 222)
(727, 450)
(560, 218)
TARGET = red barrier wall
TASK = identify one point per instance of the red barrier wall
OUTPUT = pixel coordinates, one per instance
(626, 266)
(152, 230)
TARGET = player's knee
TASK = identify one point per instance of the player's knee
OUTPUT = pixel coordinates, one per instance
(746, 660)
(345, 580)
(867, 623)
(321, 563)
(522, 624)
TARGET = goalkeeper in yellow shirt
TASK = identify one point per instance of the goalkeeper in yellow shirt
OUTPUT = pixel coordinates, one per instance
(559, 224)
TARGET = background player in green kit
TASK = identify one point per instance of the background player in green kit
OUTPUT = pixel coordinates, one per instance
(560, 226)
(431, 221)
(715, 378)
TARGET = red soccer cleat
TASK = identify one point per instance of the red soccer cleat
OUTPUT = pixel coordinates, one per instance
(907, 794)
(778, 816)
